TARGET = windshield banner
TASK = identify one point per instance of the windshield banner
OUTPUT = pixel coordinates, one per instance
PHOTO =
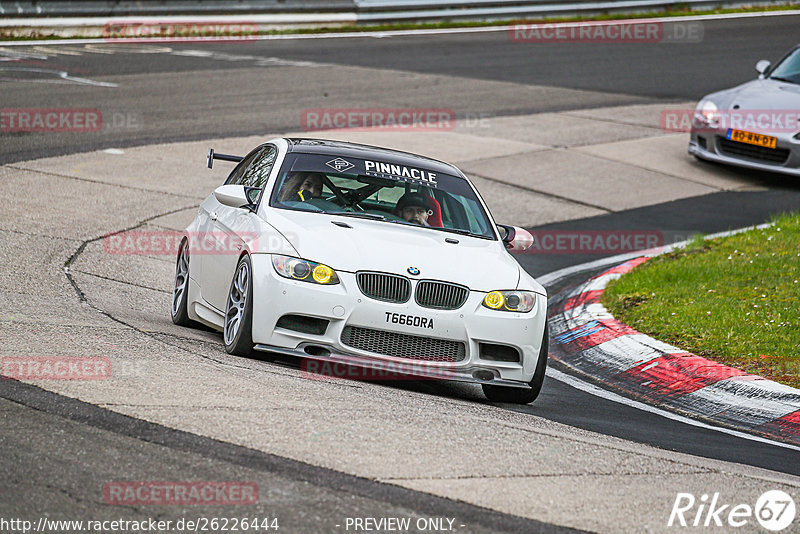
(379, 169)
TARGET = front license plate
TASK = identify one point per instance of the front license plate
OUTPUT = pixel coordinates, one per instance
(409, 320)
(752, 138)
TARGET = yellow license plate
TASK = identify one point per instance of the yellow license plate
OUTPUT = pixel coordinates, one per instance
(752, 138)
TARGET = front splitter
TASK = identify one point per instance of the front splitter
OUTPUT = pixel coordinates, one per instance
(378, 369)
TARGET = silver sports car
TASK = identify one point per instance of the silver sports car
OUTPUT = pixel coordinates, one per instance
(756, 124)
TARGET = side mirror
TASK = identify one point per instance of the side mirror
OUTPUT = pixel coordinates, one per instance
(515, 238)
(234, 196)
(762, 67)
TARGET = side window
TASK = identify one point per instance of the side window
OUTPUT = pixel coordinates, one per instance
(235, 177)
(254, 169)
(258, 171)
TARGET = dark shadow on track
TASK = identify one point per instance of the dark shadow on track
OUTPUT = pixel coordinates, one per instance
(310, 498)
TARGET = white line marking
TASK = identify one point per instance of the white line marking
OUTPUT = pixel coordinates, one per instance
(614, 397)
(648, 367)
(555, 276)
(12, 54)
(759, 401)
(402, 33)
(62, 75)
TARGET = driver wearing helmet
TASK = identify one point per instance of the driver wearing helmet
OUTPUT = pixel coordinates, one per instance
(302, 186)
(413, 208)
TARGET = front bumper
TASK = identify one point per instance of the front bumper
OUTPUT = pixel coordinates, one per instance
(344, 305)
(372, 369)
(707, 145)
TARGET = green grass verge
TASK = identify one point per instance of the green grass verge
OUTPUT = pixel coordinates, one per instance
(734, 300)
(677, 10)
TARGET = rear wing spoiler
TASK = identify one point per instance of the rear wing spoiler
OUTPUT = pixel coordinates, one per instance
(224, 157)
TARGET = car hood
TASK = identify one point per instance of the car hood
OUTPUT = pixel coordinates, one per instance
(760, 95)
(480, 264)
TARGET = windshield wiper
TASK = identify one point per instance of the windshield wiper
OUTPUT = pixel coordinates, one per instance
(462, 232)
(451, 230)
(777, 78)
(376, 217)
(372, 216)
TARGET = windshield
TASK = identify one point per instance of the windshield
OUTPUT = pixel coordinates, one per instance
(788, 70)
(381, 191)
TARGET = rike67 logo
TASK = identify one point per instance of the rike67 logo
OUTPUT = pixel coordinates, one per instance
(774, 511)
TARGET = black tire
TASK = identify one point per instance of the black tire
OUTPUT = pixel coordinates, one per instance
(180, 293)
(519, 395)
(237, 334)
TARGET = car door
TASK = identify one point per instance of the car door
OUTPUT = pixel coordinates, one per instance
(203, 241)
(231, 227)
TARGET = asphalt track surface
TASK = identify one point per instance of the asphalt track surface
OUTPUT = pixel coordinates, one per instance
(184, 97)
(218, 93)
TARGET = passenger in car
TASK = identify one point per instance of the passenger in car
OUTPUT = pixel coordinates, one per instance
(301, 186)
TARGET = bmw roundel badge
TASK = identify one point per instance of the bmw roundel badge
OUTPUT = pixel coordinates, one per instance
(413, 270)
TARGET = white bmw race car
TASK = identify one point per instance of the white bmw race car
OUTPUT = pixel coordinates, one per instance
(364, 256)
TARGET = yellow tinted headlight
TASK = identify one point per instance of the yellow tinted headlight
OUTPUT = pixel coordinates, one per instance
(512, 301)
(304, 270)
(322, 274)
(494, 300)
